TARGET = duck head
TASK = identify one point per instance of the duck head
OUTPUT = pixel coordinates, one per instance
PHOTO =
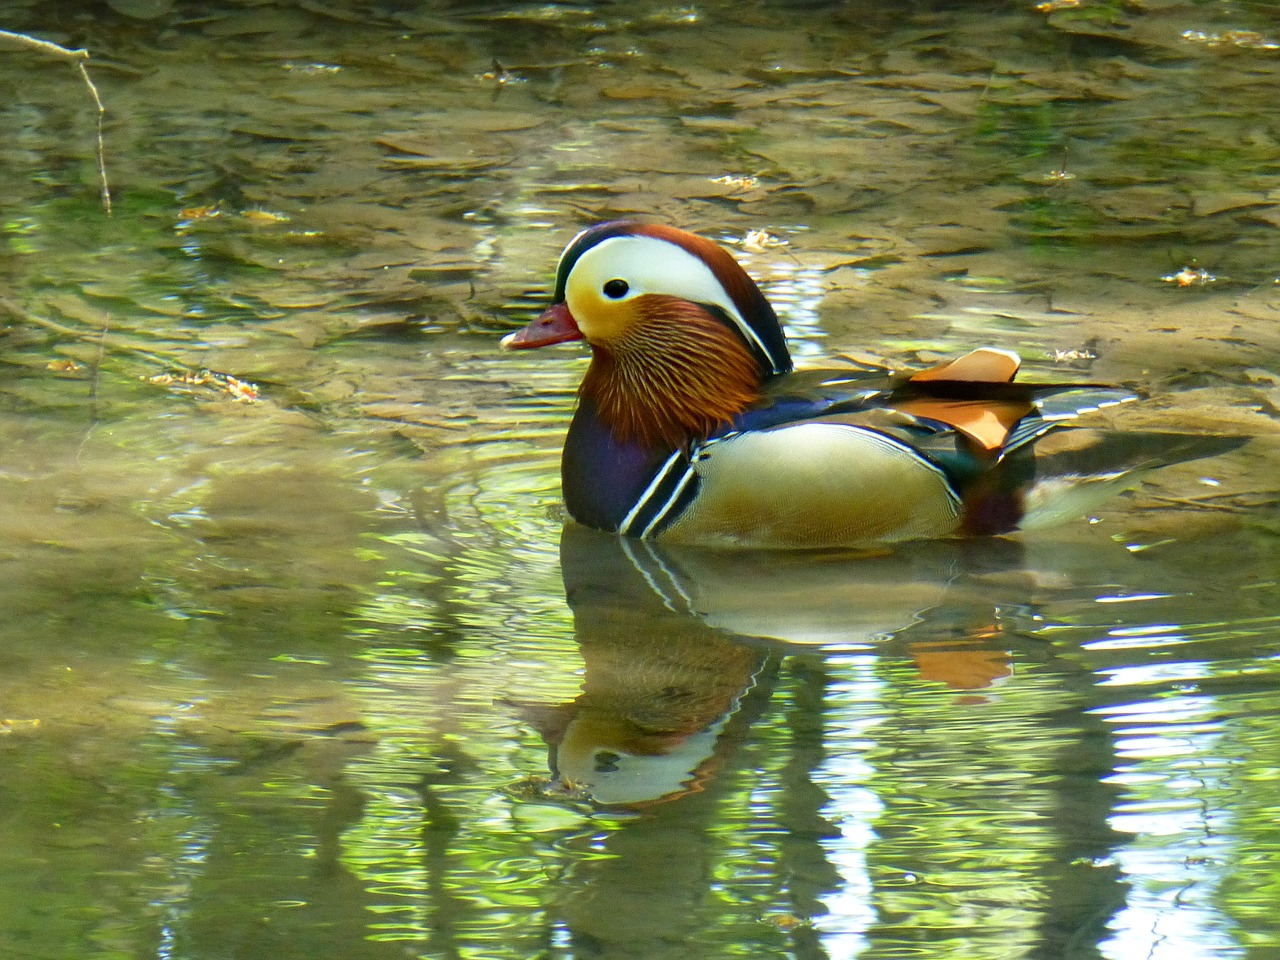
(682, 339)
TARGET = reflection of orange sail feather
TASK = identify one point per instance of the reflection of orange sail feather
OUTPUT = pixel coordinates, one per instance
(961, 665)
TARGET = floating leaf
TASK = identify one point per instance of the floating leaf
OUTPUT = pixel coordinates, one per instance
(264, 216)
(240, 391)
(1190, 277)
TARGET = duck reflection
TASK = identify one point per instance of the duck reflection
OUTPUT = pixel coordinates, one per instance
(678, 643)
(660, 686)
(683, 651)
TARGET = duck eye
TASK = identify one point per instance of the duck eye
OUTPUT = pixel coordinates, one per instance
(616, 289)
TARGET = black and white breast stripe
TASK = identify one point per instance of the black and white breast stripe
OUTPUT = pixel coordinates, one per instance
(672, 488)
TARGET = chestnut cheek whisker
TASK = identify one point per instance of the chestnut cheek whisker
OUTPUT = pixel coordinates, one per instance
(678, 375)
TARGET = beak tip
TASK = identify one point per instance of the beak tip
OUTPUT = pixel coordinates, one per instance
(555, 325)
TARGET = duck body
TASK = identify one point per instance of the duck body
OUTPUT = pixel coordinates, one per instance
(692, 426)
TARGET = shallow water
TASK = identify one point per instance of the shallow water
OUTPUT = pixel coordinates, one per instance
(325, 674)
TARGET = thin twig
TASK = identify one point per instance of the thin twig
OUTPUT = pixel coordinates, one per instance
(79, 57)
(97, 367)
(95, 409)
(102, 147)
(1197, 504)
(44, 46)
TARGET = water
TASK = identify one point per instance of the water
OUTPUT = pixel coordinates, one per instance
(326, 674)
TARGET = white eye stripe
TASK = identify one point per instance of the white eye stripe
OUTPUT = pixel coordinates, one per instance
(650, 265)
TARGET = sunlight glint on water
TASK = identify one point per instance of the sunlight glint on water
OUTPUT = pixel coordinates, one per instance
(1179, 792)
(856, 712)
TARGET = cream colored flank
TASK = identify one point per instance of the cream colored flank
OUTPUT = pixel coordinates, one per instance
(813, 485)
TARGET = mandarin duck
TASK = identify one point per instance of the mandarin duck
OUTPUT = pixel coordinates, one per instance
(693, 427)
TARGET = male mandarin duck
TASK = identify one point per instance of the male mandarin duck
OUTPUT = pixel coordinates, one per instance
(692, 427)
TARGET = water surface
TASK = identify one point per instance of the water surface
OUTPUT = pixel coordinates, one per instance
(325, 674)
